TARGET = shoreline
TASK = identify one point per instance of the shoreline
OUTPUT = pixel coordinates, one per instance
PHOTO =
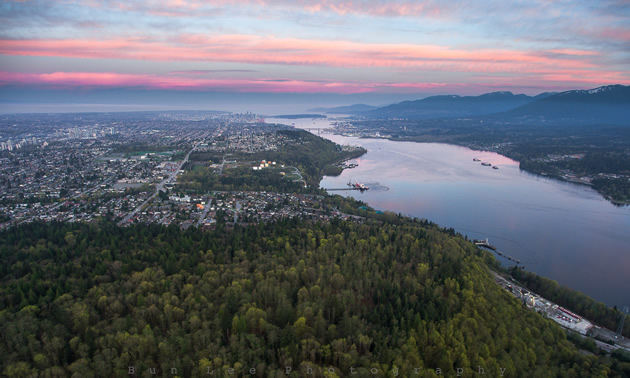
(476, 148)
(535, 174)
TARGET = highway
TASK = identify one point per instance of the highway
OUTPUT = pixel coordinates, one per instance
(158, 187)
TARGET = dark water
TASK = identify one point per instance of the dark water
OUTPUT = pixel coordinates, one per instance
(560, 230)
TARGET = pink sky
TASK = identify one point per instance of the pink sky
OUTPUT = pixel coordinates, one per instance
(314, 46)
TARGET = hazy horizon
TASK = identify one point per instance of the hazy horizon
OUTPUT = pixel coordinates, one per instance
(129, 100)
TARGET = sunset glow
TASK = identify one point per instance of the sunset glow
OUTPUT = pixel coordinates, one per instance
(337, 47)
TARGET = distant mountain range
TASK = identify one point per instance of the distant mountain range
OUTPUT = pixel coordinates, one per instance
(607, 104)
(454, 106)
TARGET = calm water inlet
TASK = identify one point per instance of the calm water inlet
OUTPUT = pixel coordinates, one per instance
(560, 230)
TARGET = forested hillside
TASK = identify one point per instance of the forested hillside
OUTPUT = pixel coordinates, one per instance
(93, 299)
(312, 155)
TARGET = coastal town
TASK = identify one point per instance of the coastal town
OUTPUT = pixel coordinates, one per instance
(86, 169)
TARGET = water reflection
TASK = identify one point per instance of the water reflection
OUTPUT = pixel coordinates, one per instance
(560, 230)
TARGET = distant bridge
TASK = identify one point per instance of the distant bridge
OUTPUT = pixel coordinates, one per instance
(319, 130)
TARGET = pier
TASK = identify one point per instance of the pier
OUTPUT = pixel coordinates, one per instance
(346, 189)
(486, 244)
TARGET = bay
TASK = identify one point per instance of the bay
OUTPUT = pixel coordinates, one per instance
(564, 231)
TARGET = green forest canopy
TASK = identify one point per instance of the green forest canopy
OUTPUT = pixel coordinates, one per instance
(94, 299)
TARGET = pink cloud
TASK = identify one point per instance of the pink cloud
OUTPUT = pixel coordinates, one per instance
(173, 81)
(571, 79)
(610, 34)
(178, 8)
(91, 80)
(574, 52)
(111, 79)
(271, 50)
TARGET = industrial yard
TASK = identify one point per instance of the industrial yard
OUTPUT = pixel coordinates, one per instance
(605, 339)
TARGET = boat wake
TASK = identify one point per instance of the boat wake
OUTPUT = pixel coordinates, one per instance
(376, 187)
